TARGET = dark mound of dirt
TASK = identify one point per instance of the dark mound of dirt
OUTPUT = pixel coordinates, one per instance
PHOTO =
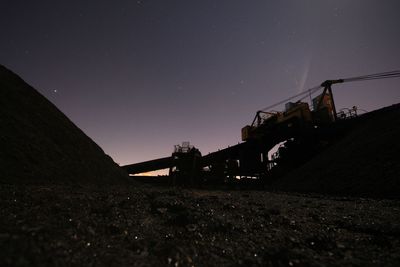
(39, 144)
(124, 226)
(364, 163)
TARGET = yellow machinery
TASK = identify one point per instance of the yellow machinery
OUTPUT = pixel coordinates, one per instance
(295, 114)
(303, 130)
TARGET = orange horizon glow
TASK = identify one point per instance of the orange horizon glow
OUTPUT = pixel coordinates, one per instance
(154, 173)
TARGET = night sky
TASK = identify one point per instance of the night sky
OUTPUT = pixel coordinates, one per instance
(141, 76)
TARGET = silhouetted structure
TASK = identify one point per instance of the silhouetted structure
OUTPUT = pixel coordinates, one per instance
(303, 132)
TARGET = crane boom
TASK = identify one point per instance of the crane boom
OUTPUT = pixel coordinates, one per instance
(324, 109)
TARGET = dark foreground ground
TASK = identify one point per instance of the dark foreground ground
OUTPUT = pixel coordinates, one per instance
(64, 226)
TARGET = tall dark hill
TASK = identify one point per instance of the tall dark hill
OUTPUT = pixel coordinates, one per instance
(363, 163)
(39, 144)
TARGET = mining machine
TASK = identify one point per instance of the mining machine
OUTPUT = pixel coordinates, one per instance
(300, 131)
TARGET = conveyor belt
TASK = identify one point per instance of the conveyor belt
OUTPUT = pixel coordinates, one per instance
(147, 166)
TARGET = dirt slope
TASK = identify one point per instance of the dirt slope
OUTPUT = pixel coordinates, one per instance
(364, 163)
(39, 144)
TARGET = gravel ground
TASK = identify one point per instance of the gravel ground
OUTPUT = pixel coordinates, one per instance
(144, 226)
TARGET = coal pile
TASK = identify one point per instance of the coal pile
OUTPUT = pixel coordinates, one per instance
(39, 144)
(148, 226)
(364, 163)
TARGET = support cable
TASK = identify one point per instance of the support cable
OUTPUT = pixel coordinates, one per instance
(309, 92)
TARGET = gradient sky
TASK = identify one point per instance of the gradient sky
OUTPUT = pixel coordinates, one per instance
(141, 76)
